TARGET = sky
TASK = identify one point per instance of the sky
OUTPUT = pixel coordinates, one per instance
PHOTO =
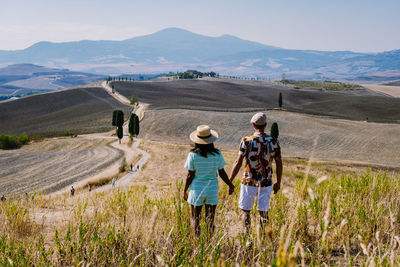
(354, 25)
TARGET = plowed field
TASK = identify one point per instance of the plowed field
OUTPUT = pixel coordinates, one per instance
(53, 164)
(342, 140)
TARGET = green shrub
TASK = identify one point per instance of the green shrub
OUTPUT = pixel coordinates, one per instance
(123, 166)
(68, 133)
(13, 141)
(133, 100)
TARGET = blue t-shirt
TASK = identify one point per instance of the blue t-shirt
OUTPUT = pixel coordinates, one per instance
(205, 169)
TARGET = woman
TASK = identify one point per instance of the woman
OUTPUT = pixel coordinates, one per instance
(204, 163)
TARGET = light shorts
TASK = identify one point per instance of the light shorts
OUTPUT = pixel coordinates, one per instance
(208, 195)
(249, 193)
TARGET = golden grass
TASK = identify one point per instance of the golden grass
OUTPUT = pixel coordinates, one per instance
(324, 216)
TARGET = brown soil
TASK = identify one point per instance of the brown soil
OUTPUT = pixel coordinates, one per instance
(53, 164)
(78, 110)
(392, 90)
(341, 140)
(230, 95)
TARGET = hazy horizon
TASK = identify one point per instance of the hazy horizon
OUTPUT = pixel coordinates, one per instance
(362, 26)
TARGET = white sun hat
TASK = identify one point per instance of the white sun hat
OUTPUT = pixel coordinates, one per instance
(259, 119)
(204, 135)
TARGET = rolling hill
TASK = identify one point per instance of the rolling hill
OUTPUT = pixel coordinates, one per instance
(331, 125)
(240, 96)
(336, 119)
(175, 49)
(78, 110)
(25, 79)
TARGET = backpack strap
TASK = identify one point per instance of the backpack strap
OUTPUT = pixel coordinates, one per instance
(247, 153)
(263, 151)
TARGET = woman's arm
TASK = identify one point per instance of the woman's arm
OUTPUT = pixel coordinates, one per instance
(189, 180)
(236, 166)
(279, 168)
(225, 178)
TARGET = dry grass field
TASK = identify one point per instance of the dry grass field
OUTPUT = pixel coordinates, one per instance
(340, 140)
(239, 96)
(167, 160)
(53, 164)
(339, 204)
(393, 90)
(325, 214)
(79, 110)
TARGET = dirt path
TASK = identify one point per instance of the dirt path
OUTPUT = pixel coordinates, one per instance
(130, 152)
(127, 179)
(51, 166)
(116, 95)
(53, 216)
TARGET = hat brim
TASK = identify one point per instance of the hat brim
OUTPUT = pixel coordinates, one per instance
(204, 141)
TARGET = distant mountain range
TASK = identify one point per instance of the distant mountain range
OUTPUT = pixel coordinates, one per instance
(175, 49)
(25, 79)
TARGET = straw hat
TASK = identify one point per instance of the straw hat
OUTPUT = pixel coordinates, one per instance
(203, 135)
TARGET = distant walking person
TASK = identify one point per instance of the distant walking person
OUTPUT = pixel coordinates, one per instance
(3, 198)
(113, 182)
(258, 149)
(137, 168)
(204, 163)
(90, 187)
(131, 166)
(72, 191)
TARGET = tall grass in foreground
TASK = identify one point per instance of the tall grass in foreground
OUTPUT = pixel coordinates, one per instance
(346, 220)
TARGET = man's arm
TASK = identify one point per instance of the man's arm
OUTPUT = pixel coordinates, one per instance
(236, 167)
(279, 168)
(189, 180)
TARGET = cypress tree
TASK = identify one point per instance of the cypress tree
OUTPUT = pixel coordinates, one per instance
(119, 120)
(114, 118)
(280, 100)
(137, 128)
(274, 130)
(133, 125)
(120, 133)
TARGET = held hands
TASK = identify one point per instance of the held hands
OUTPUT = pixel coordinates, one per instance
(276, 187)
(231, 189)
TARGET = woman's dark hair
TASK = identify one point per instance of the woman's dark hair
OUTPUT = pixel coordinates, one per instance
(203, 150)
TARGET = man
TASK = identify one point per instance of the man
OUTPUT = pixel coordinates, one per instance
(72, 191)
(258, 149)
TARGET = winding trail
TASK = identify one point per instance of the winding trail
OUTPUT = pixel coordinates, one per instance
(129, 151)
(127, 178)
(116, 95)
(48, 217)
